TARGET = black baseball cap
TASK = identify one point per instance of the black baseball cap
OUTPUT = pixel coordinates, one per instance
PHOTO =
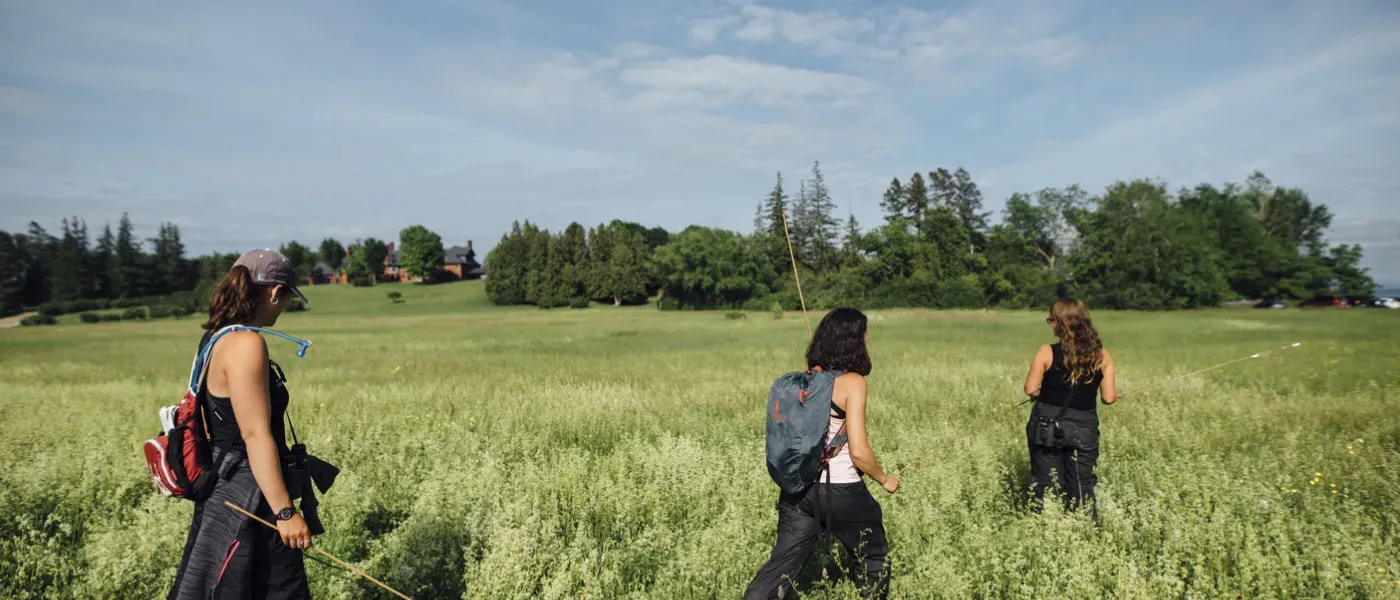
(269, 267)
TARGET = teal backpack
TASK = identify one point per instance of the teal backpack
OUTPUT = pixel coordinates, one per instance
(799, 404)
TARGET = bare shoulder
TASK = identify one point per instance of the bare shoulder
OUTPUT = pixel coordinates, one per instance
(1044, 353)
(243, 345)
(851, 382)
(1105, 356)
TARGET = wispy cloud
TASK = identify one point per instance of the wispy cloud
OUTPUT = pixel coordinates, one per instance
(358, 118)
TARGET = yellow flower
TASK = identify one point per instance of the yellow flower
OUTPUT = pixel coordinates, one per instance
(1334, 491)
(1318, 474)
(1334, 485)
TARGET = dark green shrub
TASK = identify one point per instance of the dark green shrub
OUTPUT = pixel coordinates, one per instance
(735, 315)
(53, 309)
(111, 317)
(90, 317)
(668, 303)
(364, 282)
(37, 320)
(160, 311)
(296, 305)
(180, 312)
(777, 309)
(395, 296)
(578, 303)
(134, 314)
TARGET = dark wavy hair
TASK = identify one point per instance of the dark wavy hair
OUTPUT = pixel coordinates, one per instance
(839, 342)
(1078, 339)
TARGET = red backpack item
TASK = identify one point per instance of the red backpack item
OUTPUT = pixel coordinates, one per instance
(180, 459)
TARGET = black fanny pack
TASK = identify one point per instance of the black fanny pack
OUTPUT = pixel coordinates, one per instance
(1048, 431)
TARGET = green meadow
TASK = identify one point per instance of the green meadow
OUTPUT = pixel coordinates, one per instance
(618, 452)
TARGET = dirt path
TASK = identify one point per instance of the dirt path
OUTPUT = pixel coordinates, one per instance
(9, 322)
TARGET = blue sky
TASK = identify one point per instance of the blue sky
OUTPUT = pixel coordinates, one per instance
(251, 123)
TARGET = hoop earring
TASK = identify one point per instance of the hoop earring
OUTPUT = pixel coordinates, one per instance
(274, 299)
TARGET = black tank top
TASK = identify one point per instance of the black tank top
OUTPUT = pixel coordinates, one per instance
(223, 425)
(1055, 388)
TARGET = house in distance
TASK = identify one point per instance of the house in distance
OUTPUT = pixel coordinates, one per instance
(458, 264)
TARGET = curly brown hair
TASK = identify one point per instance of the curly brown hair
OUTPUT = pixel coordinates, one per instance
(1080, 342)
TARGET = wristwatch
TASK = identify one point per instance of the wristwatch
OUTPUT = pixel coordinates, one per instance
(286, 514)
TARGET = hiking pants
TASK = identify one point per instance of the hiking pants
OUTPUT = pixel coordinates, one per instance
(854, 517)
(1070, 470)
(228, 555)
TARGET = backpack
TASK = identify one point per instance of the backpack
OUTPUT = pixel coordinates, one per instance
(799, 406)
(179, 459)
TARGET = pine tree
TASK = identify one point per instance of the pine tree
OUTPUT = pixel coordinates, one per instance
(893, 202)
(801, 226)
(102, 259)
(574, 267)
(915, 198)
(777, 208)
(967, 202)
(851, 243)
(168, 260)
(126, 270)
(823, 228)
(67, 282)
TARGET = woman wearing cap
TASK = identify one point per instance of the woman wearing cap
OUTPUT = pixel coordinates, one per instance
(1063, 430)
(226, 554)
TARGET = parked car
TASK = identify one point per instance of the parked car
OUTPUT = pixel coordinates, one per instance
(1385, 303)
(1271, 303)
(1361, 301)
(1323, 302)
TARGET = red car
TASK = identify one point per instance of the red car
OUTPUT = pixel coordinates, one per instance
(1325, 302)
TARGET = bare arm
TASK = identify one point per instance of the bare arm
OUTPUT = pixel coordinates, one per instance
(244, 359)
(856, 438)
(1109, 387)
(1039, 365)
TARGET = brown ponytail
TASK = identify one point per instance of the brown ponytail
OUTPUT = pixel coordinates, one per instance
(234, 301)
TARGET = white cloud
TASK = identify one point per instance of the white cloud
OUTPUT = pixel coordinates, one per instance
(744, 80)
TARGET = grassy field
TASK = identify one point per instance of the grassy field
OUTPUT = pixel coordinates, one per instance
(618, 453)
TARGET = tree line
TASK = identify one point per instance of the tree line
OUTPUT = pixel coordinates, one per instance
(71, 272)
(1135, 245)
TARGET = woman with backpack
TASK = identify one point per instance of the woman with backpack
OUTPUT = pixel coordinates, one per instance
(228, 555)
(838, 501)
(1063, 430)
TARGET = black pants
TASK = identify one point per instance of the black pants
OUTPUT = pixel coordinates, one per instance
(1069, 470)
(854, 517)
(228, 555)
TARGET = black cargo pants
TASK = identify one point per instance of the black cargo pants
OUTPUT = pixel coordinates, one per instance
(854, 517)
(1069, 470)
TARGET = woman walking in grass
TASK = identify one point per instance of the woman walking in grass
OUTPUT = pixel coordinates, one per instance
(226, 554)
(839, 500)
(1063, 430)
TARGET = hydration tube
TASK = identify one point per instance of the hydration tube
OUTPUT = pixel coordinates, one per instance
(203, 355)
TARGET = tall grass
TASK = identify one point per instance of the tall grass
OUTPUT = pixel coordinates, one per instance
(618, 453)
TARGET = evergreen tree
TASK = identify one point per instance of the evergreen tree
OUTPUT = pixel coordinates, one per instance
(851, 252)
(510, 263)
(127, 271)
(102, 260)
(966, 200)
(893, 203)
(777, 208)
(167, 262)
(915, 198)
(69, 261)
(538, 288)
(574, 268)
(823, 228)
